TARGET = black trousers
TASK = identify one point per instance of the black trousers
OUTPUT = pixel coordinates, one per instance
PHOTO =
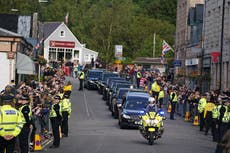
(138, 82)
(24, 139)
(32, 136)
(64, 125)
(8, 145)
(173, 110)
(81, 84)
(214, 129)
(202, 123)
(160, 102)
(55, 122)
(208, 122)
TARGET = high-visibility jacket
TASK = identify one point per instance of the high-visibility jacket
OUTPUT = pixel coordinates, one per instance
(53, 112)
(161, 94)
(68, 88)
(155, 87)
(11, 121)
(138, 75)
(201, 105)
(61, 95)
(215, 112)
(175, 99)
(29, 113)
(65, 105)
(81, 75)
(208, 108)
(226, 117)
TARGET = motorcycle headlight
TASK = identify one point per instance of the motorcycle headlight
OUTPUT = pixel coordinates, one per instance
(147, 121)
(155, 121)
(126, 116)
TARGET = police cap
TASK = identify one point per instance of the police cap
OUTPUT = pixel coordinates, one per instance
(66, 96)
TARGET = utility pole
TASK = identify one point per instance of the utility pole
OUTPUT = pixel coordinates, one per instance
(222, 44)
(154, 44)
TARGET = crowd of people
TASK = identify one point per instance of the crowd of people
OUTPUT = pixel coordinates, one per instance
(28, 106)
(212, 108)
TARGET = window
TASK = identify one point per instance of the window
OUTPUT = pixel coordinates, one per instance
(87, 57)
(62, 34)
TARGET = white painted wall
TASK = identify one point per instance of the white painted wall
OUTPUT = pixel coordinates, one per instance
(4, 70)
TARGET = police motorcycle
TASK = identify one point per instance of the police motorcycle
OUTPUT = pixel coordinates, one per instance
(151, 126)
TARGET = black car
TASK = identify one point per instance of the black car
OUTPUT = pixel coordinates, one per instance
(117, 101)
(112, 87)
(102, 82)
(92, 78)
(134, 105)
(106, 87)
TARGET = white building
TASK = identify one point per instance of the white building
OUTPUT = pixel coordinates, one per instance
(61, 44)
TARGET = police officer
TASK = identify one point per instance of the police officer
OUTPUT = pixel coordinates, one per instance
(66, 110)
(201, 105)
(161, 97)
(208, 113)
(224, 117)
(152, 107)
(81, 78)
(215, 116)
(173, 101)
(155, 88)
(11, 123)
(138, 77)
(55, 118)
(27, 113)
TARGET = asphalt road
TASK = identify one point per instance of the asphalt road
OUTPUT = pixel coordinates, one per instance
(93, 130)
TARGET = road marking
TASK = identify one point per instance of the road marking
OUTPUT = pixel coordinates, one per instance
(86, 105)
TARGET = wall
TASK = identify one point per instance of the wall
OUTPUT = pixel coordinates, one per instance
(5, 70)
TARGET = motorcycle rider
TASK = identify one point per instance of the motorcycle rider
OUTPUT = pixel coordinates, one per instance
(152, 106)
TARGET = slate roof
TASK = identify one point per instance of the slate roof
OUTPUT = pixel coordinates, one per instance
(49, 27)
(7, 33)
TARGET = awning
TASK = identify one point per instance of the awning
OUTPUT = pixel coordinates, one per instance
(25, 64)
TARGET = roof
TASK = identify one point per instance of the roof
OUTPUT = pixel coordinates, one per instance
(7, 33)
(49, 27)
(138, 94)
(148, 60)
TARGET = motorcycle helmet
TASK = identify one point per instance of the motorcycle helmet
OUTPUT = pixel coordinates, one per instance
(151, 100)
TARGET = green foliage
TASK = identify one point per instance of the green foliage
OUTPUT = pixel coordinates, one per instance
(101, 24)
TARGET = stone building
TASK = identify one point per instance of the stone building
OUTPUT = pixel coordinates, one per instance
(183, 48)
(212, 43)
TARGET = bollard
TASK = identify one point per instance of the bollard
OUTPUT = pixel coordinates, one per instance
(196, 122)
(37, 143)
(187, 116)
(169, 108)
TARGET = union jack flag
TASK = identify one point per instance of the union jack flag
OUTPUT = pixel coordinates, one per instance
(165, 47)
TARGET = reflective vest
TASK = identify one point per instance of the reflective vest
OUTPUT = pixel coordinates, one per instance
(161, 94)
(155, 87)
(68, 88)
(138, 75)
(30, 113)
(215, 112)
(201, 105)
(175, 97)
(61, 95)
(52, 111)
(11, 121)
(208, 108)
(65, 105)
(226, 117)
(81, 75)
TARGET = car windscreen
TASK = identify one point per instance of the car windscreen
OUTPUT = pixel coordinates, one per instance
(136, 103)
(121, 93)
(122, 85)
(95, 74)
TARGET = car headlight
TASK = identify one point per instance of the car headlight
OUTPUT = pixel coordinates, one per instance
(119, 105)
(106, 89)
(126, 116)
(90, 81)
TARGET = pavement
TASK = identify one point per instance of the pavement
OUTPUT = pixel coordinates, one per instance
(92, 129)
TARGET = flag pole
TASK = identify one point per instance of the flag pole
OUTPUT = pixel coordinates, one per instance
(154, 44)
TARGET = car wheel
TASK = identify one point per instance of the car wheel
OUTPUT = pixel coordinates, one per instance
(122, 126)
